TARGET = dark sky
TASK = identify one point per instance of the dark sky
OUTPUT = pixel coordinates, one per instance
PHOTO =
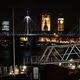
(69, 9)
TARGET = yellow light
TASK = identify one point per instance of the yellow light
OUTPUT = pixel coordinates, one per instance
(23, 39)
(47, 19)
(16, 71)
(41, 39)
(79, 66)
(24, 67)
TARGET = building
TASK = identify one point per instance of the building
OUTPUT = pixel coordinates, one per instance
(46, 22)
(5, 27)
(5, 33)
(60, 27)
(5, 43)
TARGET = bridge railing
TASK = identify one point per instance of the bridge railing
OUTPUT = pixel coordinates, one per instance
(51, 59)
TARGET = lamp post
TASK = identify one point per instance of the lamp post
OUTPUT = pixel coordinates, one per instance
(27, 18)
(13, 43)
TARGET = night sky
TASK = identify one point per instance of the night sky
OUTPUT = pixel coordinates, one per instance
(68, 8)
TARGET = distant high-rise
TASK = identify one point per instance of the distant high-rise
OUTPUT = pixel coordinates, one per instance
(4, 34)
(60, 24)
(46, 23)
(5, 27)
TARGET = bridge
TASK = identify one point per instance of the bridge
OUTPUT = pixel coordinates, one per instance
(60, 49)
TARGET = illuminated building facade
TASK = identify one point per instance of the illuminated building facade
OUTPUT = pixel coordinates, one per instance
(60, 24)
(5, 27)
(5, 31)
(23, 41)
(45, 26)
(5, 43)
(46, 23)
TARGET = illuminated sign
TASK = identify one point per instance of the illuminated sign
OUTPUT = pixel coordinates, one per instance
(23, 39)
(5, 26)
(46, 23)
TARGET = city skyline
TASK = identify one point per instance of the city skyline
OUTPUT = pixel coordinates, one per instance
(54, 38)
(69, 11)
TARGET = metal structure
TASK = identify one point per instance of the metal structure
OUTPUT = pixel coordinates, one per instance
(71, 49)
(27, 18)
(13, 43)
(52, 54)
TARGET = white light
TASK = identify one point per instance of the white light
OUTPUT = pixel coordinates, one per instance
(70, 64)
(11, 70)
(11, 73)
(5, 26)
(27, 17)
(71, 60)
(59, 64)
(73, 67)
(22, 72)
(56, 35)
(5, 23)
(61, 19)
(24, 67)
(61, 22)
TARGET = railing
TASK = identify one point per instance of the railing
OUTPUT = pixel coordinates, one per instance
(51, 60)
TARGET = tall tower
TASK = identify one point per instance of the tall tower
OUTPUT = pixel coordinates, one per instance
(46, 23)
(60, 27)
(45, 26)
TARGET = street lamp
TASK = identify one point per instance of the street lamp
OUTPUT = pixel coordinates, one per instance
(27, 18)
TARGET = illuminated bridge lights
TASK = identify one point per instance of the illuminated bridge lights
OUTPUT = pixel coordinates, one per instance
(50, 38)
(59, 40)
